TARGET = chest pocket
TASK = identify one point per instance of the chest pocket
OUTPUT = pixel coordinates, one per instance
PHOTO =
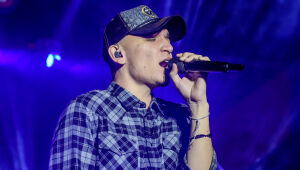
(171, 147)
(117, 150)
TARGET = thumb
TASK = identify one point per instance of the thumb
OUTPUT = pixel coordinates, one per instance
(174, 74)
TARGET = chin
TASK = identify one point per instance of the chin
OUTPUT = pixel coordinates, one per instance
(161, 81)
(165, 81)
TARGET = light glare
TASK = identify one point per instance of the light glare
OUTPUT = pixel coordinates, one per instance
(50, 60)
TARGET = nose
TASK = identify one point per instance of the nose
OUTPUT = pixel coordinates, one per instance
(166, 45)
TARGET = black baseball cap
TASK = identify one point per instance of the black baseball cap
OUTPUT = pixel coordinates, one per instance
(141, 21)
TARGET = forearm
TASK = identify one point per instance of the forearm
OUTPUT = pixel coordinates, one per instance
(200, 151)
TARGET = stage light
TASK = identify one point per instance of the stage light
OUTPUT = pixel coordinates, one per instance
(57, 57)
(51, 58)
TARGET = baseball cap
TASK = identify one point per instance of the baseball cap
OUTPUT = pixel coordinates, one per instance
(141, 21)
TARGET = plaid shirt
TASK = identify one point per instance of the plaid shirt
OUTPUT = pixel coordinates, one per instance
(112, 129)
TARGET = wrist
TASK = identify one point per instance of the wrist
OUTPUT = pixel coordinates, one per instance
(199, 109)
(199, 118)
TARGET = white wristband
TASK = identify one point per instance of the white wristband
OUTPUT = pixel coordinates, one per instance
(200, 117)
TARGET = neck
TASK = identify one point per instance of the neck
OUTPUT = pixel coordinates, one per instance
(141, 91)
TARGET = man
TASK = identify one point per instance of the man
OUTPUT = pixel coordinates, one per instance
(125, 126)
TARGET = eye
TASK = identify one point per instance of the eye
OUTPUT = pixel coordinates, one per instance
(150, 39)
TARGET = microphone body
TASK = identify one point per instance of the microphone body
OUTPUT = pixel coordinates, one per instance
(204, 66)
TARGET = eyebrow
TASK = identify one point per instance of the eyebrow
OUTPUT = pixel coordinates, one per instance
(155, 34)
(166, 36)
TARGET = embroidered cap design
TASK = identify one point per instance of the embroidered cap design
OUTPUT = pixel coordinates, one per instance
(147, 11)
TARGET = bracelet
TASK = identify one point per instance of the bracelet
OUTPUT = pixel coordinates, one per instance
(201, 136)
(200, 117)
(197, 127)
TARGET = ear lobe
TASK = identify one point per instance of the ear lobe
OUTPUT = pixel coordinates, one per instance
(116, 54)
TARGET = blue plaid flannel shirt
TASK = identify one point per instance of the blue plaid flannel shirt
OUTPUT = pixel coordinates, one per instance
(112, 129)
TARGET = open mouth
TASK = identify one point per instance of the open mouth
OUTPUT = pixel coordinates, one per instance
(164, 64)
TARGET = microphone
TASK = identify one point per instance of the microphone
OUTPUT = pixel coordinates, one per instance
(204, 66)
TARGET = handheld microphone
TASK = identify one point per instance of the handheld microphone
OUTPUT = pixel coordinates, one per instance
(204, 66)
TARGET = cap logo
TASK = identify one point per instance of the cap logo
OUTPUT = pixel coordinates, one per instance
(147, 11)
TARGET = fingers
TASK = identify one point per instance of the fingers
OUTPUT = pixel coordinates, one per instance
(174, 70)
(188, 57)
(174, 75)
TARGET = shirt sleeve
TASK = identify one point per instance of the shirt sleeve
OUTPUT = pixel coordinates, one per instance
(214, 163)
(73, 142)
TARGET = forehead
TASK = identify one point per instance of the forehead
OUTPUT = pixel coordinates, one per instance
(129, 39)
(136, 37)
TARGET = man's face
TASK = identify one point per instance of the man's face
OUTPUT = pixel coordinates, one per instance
(146, 58)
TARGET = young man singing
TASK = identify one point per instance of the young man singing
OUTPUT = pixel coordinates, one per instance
(126, 126)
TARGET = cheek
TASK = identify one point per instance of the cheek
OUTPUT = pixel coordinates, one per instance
(142, 59)
(145, 56)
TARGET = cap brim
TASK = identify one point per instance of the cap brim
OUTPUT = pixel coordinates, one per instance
(175, 25)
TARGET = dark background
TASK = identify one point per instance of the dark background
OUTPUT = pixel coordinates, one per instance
(254, 113)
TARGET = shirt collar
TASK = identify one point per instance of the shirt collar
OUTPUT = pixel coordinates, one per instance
(127, 99)
(130, 101)
(156, 106)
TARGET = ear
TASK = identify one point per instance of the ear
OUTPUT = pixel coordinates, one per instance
(111, 50)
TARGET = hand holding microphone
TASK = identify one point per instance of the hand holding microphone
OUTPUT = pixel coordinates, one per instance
(193, 85)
